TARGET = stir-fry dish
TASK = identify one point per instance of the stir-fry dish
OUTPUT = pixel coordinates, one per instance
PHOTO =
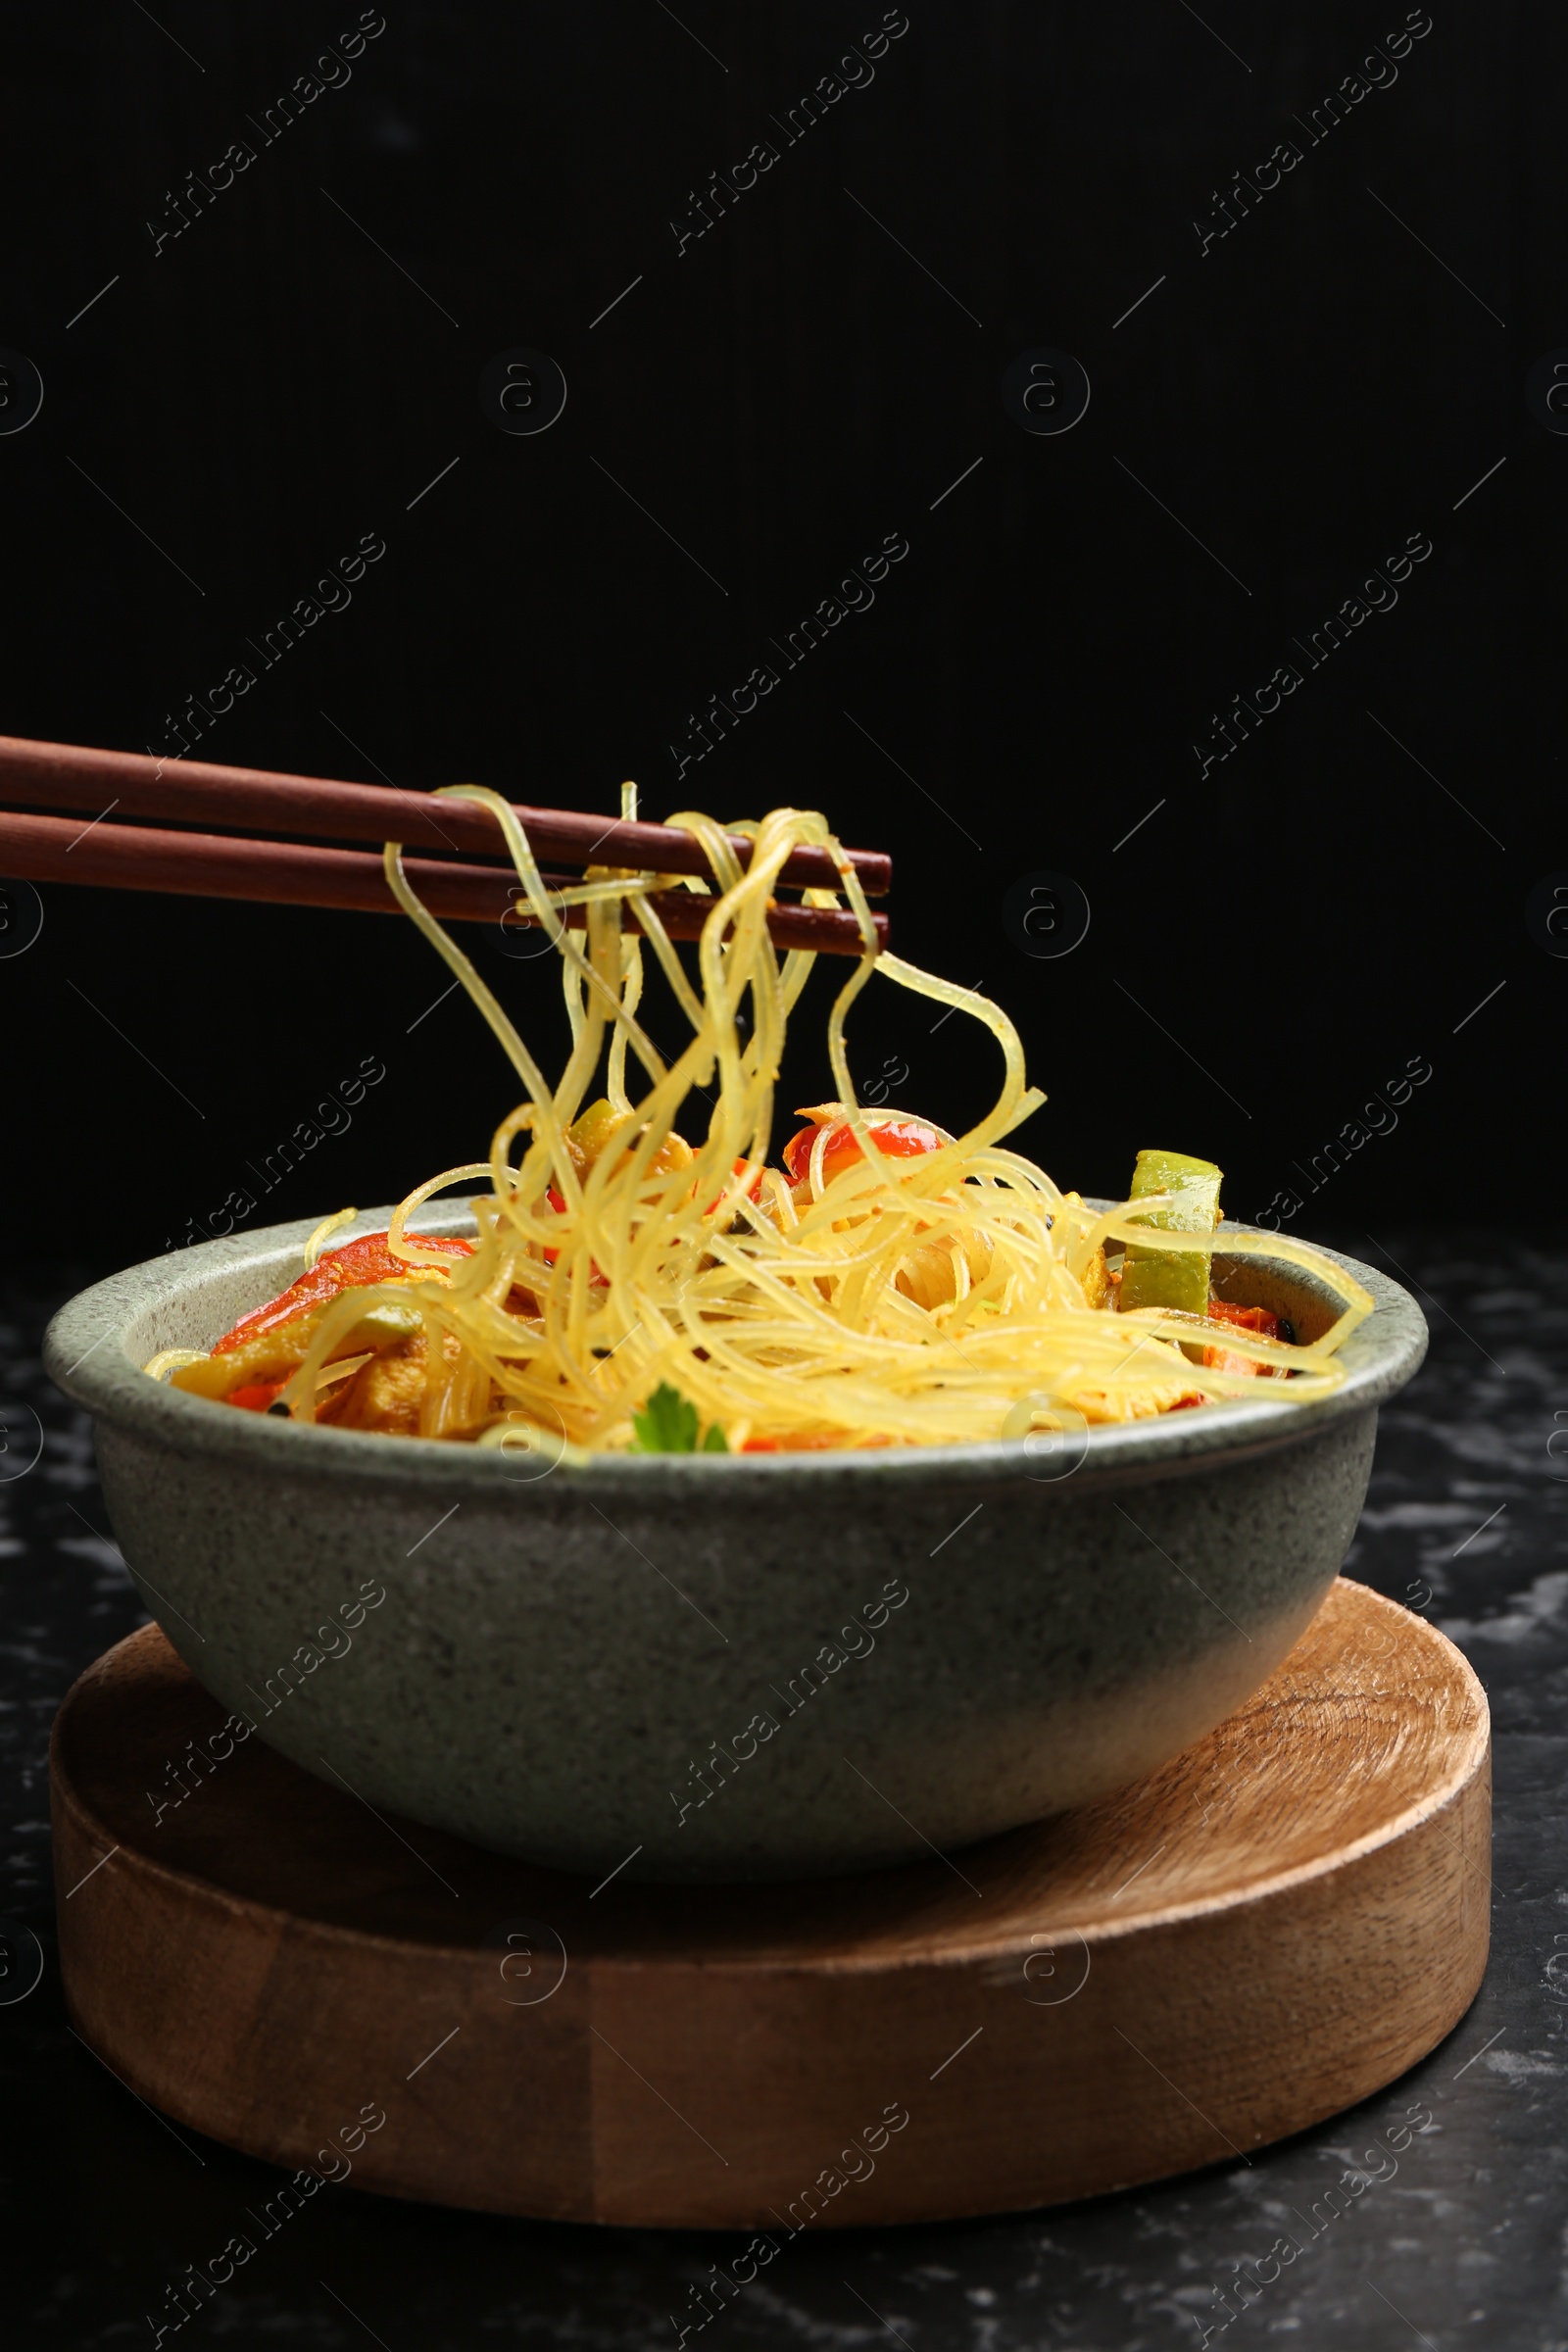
(884, 1282)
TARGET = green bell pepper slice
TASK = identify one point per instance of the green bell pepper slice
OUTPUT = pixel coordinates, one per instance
(1173, 1278)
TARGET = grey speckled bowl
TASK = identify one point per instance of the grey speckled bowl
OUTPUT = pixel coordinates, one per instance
(757, 1667)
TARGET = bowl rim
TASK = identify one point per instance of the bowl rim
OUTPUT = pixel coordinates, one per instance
(1380, 1356)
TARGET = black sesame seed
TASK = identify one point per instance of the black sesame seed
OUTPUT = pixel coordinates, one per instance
(278, 1406)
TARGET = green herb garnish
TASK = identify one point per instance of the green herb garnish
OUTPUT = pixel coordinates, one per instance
(668, 1424)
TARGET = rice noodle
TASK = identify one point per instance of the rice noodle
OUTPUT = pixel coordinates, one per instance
(826, 1319)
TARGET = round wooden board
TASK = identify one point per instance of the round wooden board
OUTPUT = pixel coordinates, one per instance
(1266, 1930)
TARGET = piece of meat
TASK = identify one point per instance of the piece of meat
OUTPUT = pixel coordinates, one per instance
(1160, 1397)
(384, 1395)
(1099, 1284)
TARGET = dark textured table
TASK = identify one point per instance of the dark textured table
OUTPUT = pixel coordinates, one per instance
(1451, 2206)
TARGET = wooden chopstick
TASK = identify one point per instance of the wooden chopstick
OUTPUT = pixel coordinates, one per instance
(62, 775)
(219, 865)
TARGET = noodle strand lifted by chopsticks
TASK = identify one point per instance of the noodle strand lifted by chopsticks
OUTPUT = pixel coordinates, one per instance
(923, 1301)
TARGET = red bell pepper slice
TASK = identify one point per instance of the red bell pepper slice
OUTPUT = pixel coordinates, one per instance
(550, 1255)
(357, 1263)
(895, 1138)
(1258, 1319)
(256, 1396)
(754, 1190)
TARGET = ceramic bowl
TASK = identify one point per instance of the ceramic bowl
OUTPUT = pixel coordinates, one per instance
(709, 1667)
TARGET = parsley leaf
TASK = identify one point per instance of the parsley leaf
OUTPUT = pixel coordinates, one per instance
(668, 1424)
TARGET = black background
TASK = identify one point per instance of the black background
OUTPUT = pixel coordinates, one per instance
(1317, 386)
(1305, 920)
